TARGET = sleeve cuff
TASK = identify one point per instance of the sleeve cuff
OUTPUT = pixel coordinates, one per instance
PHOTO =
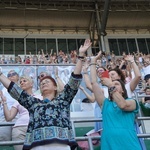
(10, 86)
(79, 76)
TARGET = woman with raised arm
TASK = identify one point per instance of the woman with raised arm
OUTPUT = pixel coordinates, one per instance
(118, 114)
(20, 128)
(49, 125)
(97, 109)
(116, 73)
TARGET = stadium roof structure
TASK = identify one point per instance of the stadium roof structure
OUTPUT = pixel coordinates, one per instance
(93, 17)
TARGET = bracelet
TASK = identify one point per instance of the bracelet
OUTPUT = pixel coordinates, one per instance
(92, 64)
(82, 58)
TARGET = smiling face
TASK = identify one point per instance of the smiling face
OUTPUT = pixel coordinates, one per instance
(26, 83)
(99, 71)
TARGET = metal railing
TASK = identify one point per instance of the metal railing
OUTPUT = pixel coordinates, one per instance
(86, 138)
(83, 138)
(137, 97)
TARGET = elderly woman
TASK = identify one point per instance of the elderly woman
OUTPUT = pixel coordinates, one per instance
(5, 131)
(118, 114)
(49, 125)
(21, 124)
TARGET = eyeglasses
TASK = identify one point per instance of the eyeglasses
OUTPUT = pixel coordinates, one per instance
(41, 76)
(12, 74)
(45, 82)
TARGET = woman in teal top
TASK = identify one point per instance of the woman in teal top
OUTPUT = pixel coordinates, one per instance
(118, 114)
(118, 128)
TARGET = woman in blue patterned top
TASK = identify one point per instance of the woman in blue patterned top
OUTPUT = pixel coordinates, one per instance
(49, 126)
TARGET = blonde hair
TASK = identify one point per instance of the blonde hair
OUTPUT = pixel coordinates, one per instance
(27, 77)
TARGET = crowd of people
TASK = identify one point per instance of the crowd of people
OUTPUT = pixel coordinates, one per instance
(42, 118)
(42, 58)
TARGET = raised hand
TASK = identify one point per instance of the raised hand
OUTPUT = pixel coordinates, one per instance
(98, 55)
(107, 82)
(95, 58)
(85, 47)
(2, 97)
(129, 58)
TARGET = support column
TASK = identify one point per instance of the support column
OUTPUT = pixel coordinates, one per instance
(25, 45)
(104, 22)
(98, 26)
(101, 25)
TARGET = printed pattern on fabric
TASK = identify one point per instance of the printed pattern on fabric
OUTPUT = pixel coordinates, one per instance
(49, 120)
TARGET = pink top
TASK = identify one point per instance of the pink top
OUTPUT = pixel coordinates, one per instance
(23, 115)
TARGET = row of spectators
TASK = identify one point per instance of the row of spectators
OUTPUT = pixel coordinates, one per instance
(107, 60)
(126, 64)
(42, 58)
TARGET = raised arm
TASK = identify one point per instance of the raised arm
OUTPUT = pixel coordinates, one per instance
(90, 97)
(116, 95)
(122, 63)
(126, 105)
(43, 56)
(51, 52)
(59, 81)
(129, 70)
(30, 54)
(4, 80)
(86, 77)
(82, 50)
(136, 79)
(9, 114)
(98, 92)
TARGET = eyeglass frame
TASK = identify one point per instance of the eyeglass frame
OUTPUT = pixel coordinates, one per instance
(46, 82)
(12, 74)
(41, 76)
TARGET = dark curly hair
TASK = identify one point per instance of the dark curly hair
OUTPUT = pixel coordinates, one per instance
(120, 73)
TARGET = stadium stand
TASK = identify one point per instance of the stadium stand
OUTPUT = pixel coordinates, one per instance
(33, 34)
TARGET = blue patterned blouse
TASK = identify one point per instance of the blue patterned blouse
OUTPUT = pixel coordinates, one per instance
(49, 120)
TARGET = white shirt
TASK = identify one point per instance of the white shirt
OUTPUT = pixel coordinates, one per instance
(129, 92)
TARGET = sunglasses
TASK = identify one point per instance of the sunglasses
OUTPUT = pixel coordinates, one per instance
(12, 74)
(41, 76)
